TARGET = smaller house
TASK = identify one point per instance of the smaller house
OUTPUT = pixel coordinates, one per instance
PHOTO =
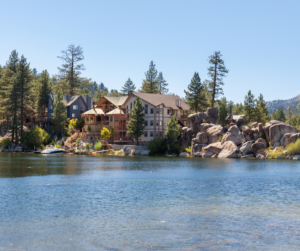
(75, 106)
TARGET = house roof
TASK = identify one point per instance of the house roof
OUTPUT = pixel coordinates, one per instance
(115, 111)
(68, 99)
(159, 99)
(117, 101)
(94, 111)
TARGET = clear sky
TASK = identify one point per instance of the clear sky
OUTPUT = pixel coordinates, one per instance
(259, 40)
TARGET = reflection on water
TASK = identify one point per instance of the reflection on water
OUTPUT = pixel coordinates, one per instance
(147, 203)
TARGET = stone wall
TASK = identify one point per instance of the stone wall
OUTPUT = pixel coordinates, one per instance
(135, 147)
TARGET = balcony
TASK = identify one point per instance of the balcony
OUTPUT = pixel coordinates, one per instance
(120, 128)
(121, 116)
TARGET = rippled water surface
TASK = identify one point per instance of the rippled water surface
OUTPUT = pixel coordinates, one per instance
(148, 203)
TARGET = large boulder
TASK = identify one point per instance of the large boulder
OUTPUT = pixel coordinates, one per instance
(242, 120)
(215, 148)
(203, 127)
(215, 132)
(196, 118)
(268, 125)
(260, 140)
(127, 150)
(276, 132)
(184, 154)
(197, 147)
(247, 130)
(246, 147)
(213, 113)
(294, 137)
(186, 136)
(230, 150)
(201, 138)
(234, 135)
(258, 148)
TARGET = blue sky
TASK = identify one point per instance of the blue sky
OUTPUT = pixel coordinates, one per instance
(259, 40)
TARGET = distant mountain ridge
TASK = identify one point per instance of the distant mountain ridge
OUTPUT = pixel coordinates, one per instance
(284, 104)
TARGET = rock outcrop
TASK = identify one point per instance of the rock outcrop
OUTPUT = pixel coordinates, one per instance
(197, 148)
(246, 147)
(127, 150)
(234, 135)
(210, 116)
(186, 136)
(229, 150)
(215, 148)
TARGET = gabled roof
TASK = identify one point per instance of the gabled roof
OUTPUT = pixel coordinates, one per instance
(67, 99)
(117, 101)
(94, 111)
(161, 99)
(115, 111)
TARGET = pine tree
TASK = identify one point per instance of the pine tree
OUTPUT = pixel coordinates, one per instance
(280, 115)
(150, 84)
(136, 123)
(216, 72)
(195, 95)
(172, 133)
(249, 106)
(237, 109)
(289, 115)
(59, 116)
(71, 68)
(128, 87)
(24, 78)
(43, 89)
(261, 111)
(223, 110)
(162, 84)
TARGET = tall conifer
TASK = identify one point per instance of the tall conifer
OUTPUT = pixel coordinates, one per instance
(249, 106)
(162, 84)
(43, 88)
(150, 84)
(195, 95)
(59, 116)
(128, 87)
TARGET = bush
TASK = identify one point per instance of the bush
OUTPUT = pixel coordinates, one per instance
(105, 133)
(98, 146)
(52, 143)
(34, 138)
(81, 123)
(5, 142)
(89, 128)
(275, 154)
(78, 141)
(157, 146)
(174, 148)
(87, 146)
(73, 124)
(187, 150)
(58, 146)
(293, 148)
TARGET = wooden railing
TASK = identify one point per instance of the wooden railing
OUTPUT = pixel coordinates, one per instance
(118, 128)
(121, 116)
(120, 139)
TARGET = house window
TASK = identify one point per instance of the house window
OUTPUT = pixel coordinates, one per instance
(111, 118)
(157, 110)
(130, 106)
(145, 134)
(160, 110)
(151, 122)
(106, 118)
(169, 111)
(146, 122)
(146, 109)
(151, 110)
(157, 123)
(75, 107)
(73, 115)
(151, 134)
(98, 118)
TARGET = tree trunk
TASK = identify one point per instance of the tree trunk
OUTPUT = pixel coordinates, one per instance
(214, 90)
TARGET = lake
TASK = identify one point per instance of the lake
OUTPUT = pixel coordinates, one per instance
(148, 203)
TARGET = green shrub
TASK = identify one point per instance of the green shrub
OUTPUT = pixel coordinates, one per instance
(187, 150)
(89, 128)
(58, 146)
(157, 146)
(35, 138)
(293, 148)
(42, 147)
(98, 146)
(52, 143)
(77, 142)
(5, 142)
(275, 154)
(174, 148)
(87, 146)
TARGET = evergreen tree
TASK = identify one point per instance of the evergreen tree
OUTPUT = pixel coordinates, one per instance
(128, 87)
(261, 111)
(60, 84)
(162, 84)
(223, 110)
(59, 116)
(172, 133)
(249, 106)
(195, 95)
(136, 123)
(43, 89)
(237, 109)
(216, 72)
(280, 115)
(71, 68)
(150, 84)
(289, 115)
(24, 78)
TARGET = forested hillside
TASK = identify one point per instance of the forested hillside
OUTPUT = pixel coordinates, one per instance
(294, 103)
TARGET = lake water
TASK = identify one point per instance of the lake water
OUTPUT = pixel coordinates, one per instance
(148, 203)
